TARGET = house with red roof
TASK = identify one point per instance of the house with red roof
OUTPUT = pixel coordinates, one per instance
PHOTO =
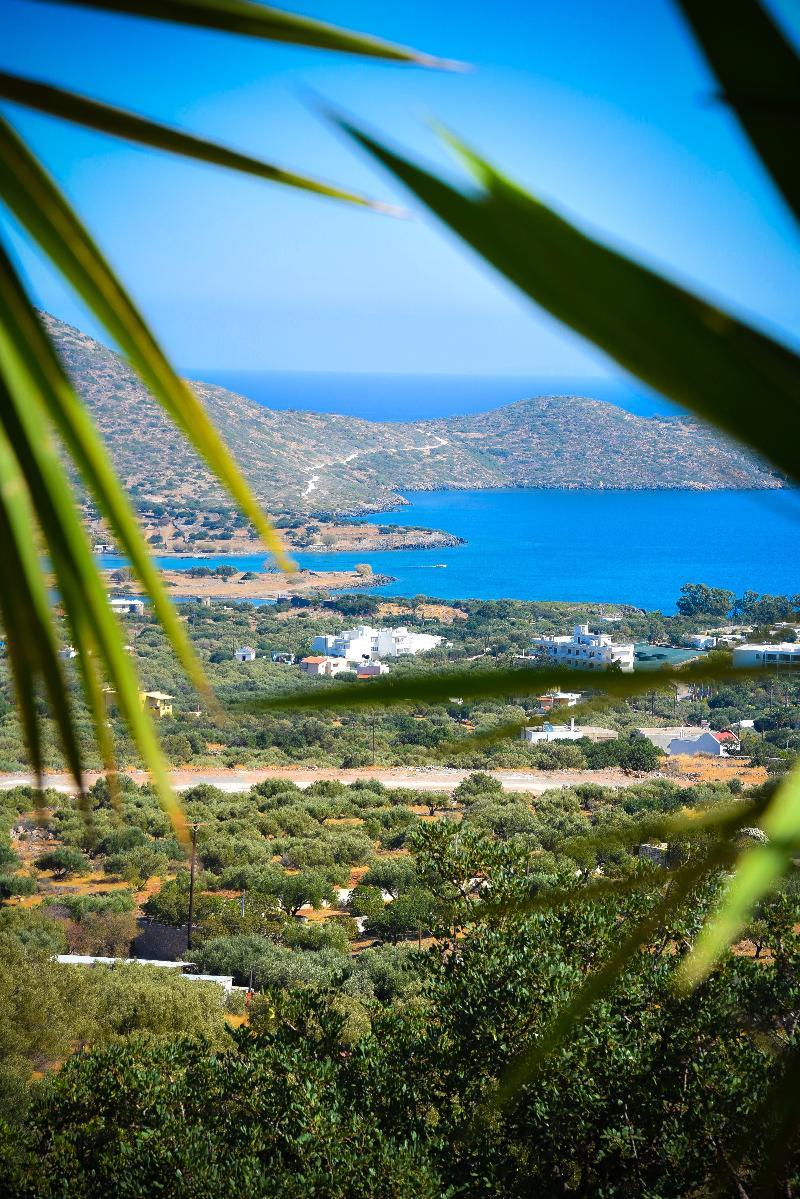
(715, 745)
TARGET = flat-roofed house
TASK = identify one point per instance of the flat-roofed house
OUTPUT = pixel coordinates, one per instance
(322, 664)
(786, 653)
(245, 653)
(126, 605)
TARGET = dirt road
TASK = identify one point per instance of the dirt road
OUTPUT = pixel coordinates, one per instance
(416, 778)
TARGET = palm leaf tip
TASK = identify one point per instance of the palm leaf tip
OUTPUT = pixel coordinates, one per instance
(676, 342)
(130, 126)
(271, 24)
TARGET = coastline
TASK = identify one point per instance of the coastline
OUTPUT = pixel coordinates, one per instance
(263, 586)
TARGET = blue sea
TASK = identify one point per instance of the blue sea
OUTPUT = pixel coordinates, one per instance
(634, 547)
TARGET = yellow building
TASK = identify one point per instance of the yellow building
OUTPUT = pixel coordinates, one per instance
(156, 702)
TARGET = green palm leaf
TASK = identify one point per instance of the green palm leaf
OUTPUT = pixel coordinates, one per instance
(263, 21)
(759, 72)
(41, 208)
(687, 349)
(678, 889)
(476, 684)
(46, 377)
(31, 640)
(93, 114)
(757, 870)
(25, 420)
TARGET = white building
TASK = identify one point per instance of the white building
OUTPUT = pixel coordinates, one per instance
(321, 664)
(700, 640)
(67, 652)
(585, 650)
(225, 981)
(554, 700)
(245, 653)
(787, 653)
(371, 670)
(127, 605)
(364, 643)
(536, 734)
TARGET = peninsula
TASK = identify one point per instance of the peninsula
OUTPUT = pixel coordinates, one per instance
(325, 465)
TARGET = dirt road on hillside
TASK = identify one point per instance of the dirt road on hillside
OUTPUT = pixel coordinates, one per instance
(416, 778)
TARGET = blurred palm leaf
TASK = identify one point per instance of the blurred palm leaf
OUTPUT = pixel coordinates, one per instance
(263, 21)
(118, 122)
(759, 74)
(481, 684)
(695, 353)
(42, 420)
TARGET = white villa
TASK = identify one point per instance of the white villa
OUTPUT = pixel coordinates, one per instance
(787, 653)
(585, 650)
(245, 653)
(700, 640)
(364, 643)
(127, 606)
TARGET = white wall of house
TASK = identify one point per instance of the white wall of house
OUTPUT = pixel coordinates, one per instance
(787, 653)
(552, 732)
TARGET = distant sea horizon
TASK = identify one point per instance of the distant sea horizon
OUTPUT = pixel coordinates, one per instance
(399, 397)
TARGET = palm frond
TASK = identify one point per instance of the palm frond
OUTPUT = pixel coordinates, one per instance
(43, 211)
(118, 122)
(700, 356)
(485, 684)
(759, 74)
(263, 21)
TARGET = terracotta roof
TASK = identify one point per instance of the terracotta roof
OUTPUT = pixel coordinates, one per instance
(315, 658)
(726, 736)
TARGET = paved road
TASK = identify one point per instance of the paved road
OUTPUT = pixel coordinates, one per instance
(416, 778)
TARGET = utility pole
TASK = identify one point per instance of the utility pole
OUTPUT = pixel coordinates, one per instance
(191, 887)
(373, 739)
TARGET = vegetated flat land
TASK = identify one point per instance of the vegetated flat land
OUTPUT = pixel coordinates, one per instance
(188, 536)
(421, 778)
(264, 585)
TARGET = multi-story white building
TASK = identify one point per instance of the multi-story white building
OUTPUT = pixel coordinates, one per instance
(585, 650)
(787, 653)
(363, 644)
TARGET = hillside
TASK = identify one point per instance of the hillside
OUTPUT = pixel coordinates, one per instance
(314, 462)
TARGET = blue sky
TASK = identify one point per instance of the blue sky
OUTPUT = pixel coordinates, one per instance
(600, 106)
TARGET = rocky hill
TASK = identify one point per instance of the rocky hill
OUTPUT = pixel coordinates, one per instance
(315, 462)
